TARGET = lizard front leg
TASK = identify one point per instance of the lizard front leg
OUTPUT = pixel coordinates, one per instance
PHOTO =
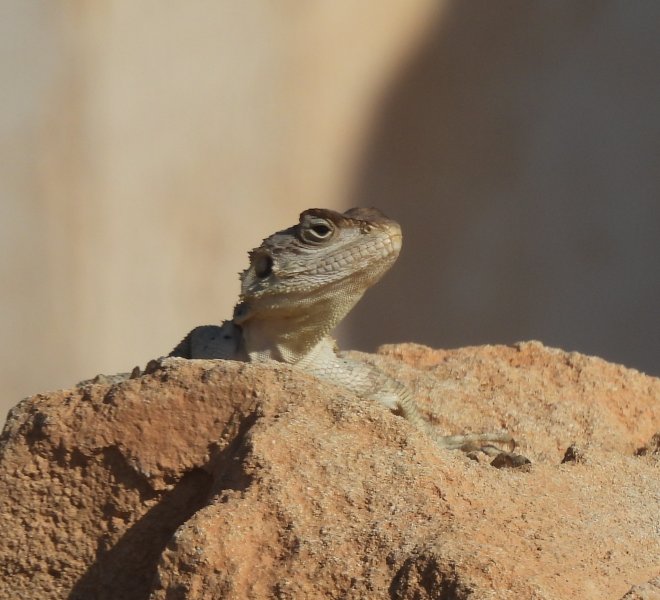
(371, 383)
(398, 398)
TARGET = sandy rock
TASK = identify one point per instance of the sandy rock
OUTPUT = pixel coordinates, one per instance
(213, 479)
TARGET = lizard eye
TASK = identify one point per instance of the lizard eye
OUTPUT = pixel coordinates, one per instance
(263, 265)
(317, 232)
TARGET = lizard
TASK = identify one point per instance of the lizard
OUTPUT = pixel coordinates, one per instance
(300, 283)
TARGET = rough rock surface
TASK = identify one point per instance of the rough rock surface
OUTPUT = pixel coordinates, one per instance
(213, 479)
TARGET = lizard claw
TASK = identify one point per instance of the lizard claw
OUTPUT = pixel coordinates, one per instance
(473, 443)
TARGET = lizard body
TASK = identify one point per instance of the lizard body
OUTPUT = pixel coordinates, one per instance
(300, 284)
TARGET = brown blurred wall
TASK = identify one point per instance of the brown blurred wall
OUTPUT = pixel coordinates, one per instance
(147, 146)
(520, 149)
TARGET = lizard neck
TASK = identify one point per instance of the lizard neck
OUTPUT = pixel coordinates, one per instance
(290, 331)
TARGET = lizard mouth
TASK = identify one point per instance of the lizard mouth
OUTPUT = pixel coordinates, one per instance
(396, 239)
(392, 243)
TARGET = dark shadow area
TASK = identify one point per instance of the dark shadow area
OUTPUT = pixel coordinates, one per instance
(228, 465)
(126, 569)
(428, 576)
(519, 151)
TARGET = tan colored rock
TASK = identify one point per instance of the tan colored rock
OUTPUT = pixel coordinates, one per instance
(213, 479)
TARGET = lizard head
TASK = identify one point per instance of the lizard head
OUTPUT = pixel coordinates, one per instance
(318, 269)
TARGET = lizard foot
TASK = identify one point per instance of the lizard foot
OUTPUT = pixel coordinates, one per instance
(483, 442)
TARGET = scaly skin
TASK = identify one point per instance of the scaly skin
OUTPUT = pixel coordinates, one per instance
(300, 284)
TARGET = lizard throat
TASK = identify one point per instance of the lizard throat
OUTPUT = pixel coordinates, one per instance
(287, 334)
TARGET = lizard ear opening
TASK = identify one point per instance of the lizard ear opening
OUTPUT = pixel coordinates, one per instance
(263, 265)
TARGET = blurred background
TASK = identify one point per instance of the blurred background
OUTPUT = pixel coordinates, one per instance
(147, 146)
